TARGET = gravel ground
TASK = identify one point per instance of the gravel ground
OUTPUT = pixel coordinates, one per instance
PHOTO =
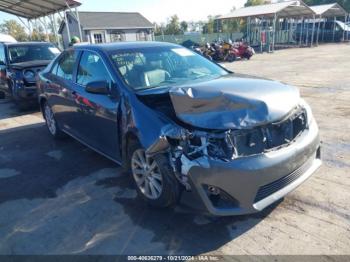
(62, 198)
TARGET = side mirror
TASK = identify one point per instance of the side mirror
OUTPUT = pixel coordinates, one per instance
(98, 87)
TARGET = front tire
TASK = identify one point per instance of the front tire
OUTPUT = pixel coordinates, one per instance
(154, 179)
(51, 122)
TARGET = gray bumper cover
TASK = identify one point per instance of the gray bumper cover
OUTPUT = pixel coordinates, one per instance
(242, 178)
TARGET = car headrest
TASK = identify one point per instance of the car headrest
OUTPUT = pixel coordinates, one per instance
(155, 77)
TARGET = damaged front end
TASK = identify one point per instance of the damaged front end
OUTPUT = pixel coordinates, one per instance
(237, 145)
(187, 149)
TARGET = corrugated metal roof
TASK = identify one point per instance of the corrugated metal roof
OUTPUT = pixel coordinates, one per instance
(32, 9)
(283, 9)
(329, 10)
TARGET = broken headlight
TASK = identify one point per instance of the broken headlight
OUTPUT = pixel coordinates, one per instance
(222, 147)
(217, 146)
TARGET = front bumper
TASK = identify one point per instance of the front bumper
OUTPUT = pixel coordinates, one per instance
(26, 92)
(249, 184)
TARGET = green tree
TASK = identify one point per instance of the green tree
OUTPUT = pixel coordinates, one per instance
(159, 29)
(230, 25)
(38, 35)
(208, 28)
(15, 29)
(173, 27)
(255, 2)
(184, 26)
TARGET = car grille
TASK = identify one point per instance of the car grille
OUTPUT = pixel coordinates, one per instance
(269, 189)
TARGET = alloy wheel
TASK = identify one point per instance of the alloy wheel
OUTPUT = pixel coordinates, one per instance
(50, 120)
(146, 174)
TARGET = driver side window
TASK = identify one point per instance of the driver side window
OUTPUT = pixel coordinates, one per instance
(92, 69)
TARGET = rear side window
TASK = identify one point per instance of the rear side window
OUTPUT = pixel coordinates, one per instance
(64, 68)
(91, 69)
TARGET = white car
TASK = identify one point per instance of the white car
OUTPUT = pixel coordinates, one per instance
(7, 39)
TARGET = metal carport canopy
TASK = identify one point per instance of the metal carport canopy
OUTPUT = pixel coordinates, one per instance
(283, 9)
(330, 10)
(32, 9)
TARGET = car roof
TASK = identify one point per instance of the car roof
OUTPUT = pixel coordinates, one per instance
(110, 47)
(28, 43)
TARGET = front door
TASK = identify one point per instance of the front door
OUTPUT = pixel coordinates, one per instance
(98, 116)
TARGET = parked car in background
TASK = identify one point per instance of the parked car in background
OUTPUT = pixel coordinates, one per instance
(186, 128)
(7, 39)
(330, 31)
(19, 65)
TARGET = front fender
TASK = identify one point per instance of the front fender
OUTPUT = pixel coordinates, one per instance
(141, 121)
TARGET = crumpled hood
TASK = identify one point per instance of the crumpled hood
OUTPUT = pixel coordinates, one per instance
(235, 102)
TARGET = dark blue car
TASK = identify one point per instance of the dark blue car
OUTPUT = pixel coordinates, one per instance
(187, 129)
(19, 64)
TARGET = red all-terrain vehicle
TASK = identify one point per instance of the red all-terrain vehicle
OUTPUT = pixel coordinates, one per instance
(243, 50)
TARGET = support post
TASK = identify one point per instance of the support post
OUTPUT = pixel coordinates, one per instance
(274, 32)
(27, 25)
(323, 30)
(313, 31)
(318, 30)
(30, 31)
(43, 22)
(79, 25)
(248, 21)
(334, 29)
(347, 32)
(290, 35)
(67, 25)
(301, 31)
(53, 21)
(344, 28)
(307, 33)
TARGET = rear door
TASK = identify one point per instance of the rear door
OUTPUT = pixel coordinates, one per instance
(98, 114)
(60, 88)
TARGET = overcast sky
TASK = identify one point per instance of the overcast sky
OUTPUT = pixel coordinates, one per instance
(159, 10)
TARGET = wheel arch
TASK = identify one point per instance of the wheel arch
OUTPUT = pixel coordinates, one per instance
(42, 101)
(128, 138)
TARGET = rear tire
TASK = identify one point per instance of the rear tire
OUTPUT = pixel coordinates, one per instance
(51, 122)
(157, 170)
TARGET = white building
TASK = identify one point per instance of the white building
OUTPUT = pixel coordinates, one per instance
(105, 27)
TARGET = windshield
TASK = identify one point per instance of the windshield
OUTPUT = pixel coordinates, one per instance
(27, 53)
(163, 66)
